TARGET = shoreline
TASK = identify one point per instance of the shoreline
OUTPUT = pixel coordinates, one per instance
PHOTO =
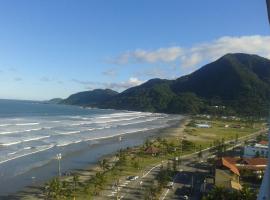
(35, 192)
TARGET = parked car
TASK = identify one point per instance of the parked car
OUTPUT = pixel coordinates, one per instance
(132, 178)
(185, 197)
(170, 185)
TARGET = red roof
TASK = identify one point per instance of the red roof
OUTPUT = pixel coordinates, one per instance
(152, 150)
(236, 163)
(229, 165)
(263, 142)
(246, 161)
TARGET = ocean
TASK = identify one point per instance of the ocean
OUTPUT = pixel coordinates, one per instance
(32, 133)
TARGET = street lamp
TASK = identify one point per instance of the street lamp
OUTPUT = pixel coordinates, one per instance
(59, 157)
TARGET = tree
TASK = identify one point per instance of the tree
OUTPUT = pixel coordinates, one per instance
(104, 165)
(75, 180)
(224, 194)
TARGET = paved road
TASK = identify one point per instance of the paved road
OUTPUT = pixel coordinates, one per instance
(133, 190)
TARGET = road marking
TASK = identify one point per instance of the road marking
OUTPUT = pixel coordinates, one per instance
(150, 170)
(162, 198)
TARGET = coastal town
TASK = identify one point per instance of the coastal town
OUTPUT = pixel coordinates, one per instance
(134, 100)
(206, 157)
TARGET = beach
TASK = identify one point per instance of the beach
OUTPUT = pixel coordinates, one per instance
(80, 156)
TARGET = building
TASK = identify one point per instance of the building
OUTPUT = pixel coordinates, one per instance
(256, 165)
(203, 126)
(228, 170)
(152, 150)
(227, 175)
(257, 150)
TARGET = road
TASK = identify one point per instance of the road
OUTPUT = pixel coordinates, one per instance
(133, 190)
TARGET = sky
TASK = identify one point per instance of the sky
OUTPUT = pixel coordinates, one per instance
(54, 48)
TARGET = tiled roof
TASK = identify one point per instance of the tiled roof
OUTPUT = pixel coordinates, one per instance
(246, 161)
(263, 142)
(229, 165)
(152, 150)
(236, 163)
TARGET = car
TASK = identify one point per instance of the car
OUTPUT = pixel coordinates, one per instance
(170, 185)
(132, 178)
(185, 197)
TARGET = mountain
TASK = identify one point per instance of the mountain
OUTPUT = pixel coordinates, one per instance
(54, 101)
(238, 81)
(90, 98)
(234, 84)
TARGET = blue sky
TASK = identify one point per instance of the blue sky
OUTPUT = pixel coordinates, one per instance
(54, 48)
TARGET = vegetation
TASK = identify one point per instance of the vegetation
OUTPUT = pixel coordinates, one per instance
(236, 84)
(223, 194)
(90, 98)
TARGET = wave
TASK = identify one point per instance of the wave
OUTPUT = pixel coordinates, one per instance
(27, 124)
(115, 135)
(47, 147)
(3, 125)
(68, 133)
(8, 132)
(22, 131)
(117, 120)
(10, 143)
(36, 138)
(68, 143)
(12, 153)
(24, 140)
(138, 122)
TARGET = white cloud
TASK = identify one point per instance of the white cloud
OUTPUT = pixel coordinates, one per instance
(160, 55)
(200, 53)
(119, 86)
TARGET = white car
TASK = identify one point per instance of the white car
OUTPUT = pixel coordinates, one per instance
(170, 184)
(185, 197)
(134, 178)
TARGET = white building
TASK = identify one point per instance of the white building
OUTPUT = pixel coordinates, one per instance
(203, 126)
(257, 149)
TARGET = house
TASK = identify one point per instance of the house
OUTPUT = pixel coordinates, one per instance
(203, 126)
(256, 150)
(152, 150)
(229, 169)
(257, 165)
(227, 175)
(263, 142)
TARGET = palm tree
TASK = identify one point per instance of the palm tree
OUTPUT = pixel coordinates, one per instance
(218, 193)
(54, 189)
(247, 194)
(104, 165)
(75, 180)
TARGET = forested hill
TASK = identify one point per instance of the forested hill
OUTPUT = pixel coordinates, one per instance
(234, 84)
(90, 98)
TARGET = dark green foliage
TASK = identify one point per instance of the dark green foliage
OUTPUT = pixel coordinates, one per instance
(223, 194)
(90, 98)
(234, 84)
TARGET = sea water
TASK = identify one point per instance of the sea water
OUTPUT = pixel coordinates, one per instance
(32, 133)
